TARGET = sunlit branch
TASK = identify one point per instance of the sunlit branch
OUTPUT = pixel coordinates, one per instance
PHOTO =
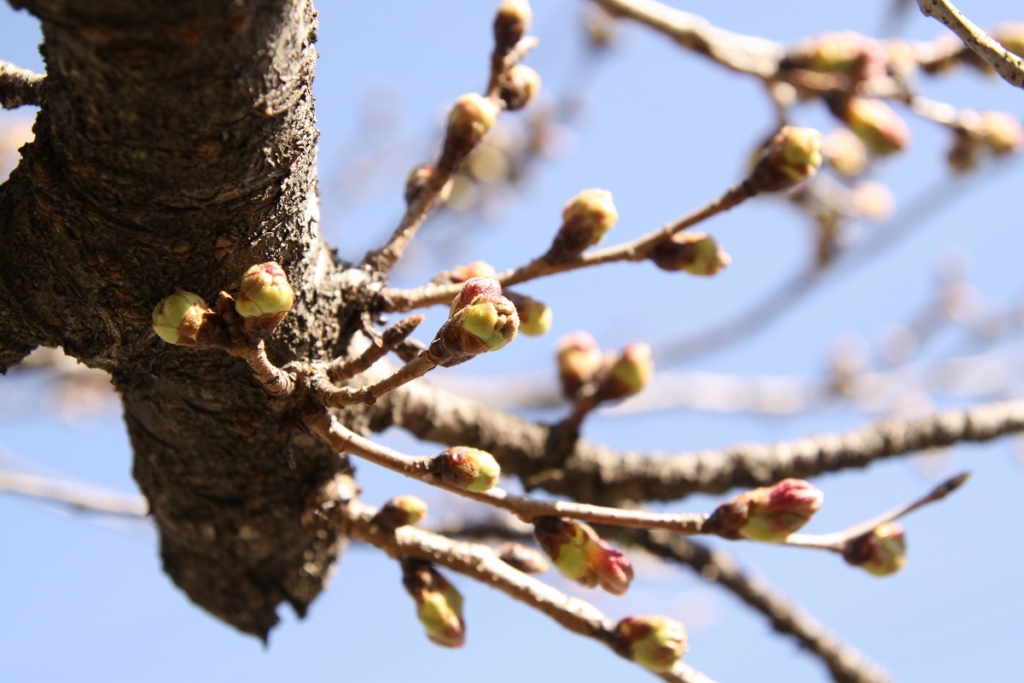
(19, 86)
(1006, 64)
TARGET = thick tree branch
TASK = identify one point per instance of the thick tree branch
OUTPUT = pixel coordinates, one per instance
(1006, 64)
(19, 86)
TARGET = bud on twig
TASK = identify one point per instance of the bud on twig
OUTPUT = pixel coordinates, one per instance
(264, 299)
(480, 320)
(767, 514)
(882, 551)
(856, 56)
(629, 374)
(581, 555)
(789, 158)
(520, 85)
(657, 643)
(695, 252)
(585, 220)
(579, 360)
(438, 603)
(469, 469)
(534, 316)
(401, 511)
(418, 178)
(523, 558)
(179, 319)
(876, 124)
(511, 24)
(1000, 132)
(468, 121)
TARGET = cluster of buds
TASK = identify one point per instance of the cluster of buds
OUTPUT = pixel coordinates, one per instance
(657, 643)
(264, 299)
(510, 24)
(695, 252)
(520, 85)
(579, 360)
(875, 123)
(480, 320)
(857, 57)
(631, 371)
(470, 118)
(992, 132)
(417, 180)
(581, 555)
(465, 468)
(184, 319)
(401, 511)
(882, 551)
(438, 604)
(585, 220)
(792, 156)
(523, 558)
(581, 363)
(534, 316)
(767, 514)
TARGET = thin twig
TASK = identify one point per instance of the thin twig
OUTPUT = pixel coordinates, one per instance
(1006, 64)
(19, 86)
(75, 495)
(277, 382)
(635, 250)
(346, 368)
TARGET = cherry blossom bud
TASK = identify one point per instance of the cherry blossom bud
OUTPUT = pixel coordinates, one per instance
(417, 180)
(789, 158)
(264, 299)
(657, 643)
(872, 200)
(534, 316)
(519, 86)
(523, 558)
(852, 54)
(581, 555)
(179, 318)
(1000, 132)
(469, 271)
(468, 121)
(469, 469)
(438, 603)
(876, 124)
(579, 360)
(401, 511)
(695, 252)
(882, 551)
(585, 220)
(629, 374)
(511, 24)
(767, 514)
(480, 320)
(845, 152)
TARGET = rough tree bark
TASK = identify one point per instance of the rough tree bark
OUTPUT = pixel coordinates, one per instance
(176, 146)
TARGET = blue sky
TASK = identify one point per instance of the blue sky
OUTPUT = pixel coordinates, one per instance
(84, 598)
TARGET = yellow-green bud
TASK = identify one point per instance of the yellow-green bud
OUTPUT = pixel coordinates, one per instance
(581, 555)
(657, 643)
(519, 86)
(792, 156)
(470, 118)
(767, 514)
(585, 220)
(465, 468)
(480, 320)
(179, 318)
(629, 374)
(264, 299)
(401, 511)
(695, 252)
(579, 360)
(534, 316)
(438, 603)
(876, 124)
(882, 551)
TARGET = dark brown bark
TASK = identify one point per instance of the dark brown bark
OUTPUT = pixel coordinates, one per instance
(175, 148)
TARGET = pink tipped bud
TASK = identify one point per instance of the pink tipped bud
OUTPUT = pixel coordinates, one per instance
(534, 316)
(767, 514)
(523, 558)
(480, 320)
(585, 220)
(876, 124)
(789, 158)
(511, 24)
(882, 551)
(417, 180)
(581, 555)
(264, 299)
(179, 319)
(468, 121)
(845, 152)
(657, 643)
(465, 468)
(695, 252)
(1000, 132)
(579, 360)
(629, 374)
(438, 603)
(401, 511)
(856, 56)
(476, 290)
(519, 86)
(475, 269)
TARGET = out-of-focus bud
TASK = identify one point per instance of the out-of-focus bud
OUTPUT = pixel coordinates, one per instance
(792, 156)
(438, 603)
(1011, 36)
(401, 511)
(417, 180)
(469, 469)
(872, 200)
(581, 555)
(585, 220)
(534, 316)
(844, 151)
(468, 121)
(511, 24)
(178, 319)
(657, 643)
(519, 86)
(962, 155)
(469, 271)
(1000, 132)
(523, 558)
(856, 56)
(767, 514)
(579, 360)
(480, 320)
(876, 124)
(629, 374)
(264, 299)
(695, 252)
(882, 551)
